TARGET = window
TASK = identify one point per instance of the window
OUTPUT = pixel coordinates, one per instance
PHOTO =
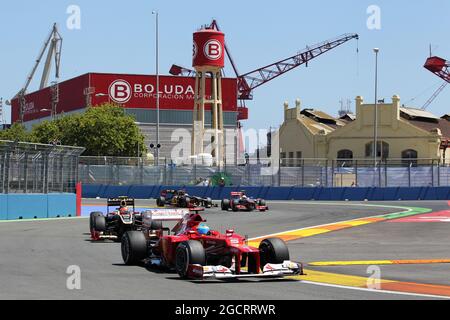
(409, 157)
(382, 149)
(344, 158)
(283, 159)
(299, 158)
(291, 159)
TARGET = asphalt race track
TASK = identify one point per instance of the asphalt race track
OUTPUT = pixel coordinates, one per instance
(35, 255)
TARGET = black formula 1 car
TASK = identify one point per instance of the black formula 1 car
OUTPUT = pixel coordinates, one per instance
(114, 224)
(240, 202)
(195, 252)
(180, 199)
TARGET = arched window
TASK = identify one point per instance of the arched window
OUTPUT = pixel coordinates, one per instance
(382, 150)
(409, 157)
(344, 158)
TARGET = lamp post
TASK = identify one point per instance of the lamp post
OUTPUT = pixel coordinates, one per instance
(156, 13)
(375, 120)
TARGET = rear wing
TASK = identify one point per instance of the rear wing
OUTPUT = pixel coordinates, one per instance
(164, 214)
(120, 201)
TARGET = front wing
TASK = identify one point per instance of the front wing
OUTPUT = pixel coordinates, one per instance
(287, 268)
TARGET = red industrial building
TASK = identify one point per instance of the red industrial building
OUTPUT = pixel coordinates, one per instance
(137, 95)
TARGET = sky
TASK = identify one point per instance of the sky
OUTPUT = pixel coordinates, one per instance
(119, 37)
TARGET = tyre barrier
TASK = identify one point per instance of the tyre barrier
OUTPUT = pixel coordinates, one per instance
(277, 193)
(37, 206)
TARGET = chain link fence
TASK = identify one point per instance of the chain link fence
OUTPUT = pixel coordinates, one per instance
(263, 172)
(38, 168)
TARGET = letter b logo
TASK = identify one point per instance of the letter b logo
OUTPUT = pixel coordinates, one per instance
(120, 91)
(213, 50)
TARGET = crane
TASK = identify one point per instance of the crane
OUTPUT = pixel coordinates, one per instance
(54, 44)
(249, 81)
(439, 67)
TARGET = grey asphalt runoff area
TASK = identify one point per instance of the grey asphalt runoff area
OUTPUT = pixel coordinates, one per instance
(35, 255)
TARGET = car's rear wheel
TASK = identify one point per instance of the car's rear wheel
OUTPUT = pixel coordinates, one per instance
(225, 205)
(273, 250)
(187, 253)
(99, 224)
(134, 247)
(91, 219)
(161, 201)
(185, 202)
(235, 205)
(262, 202)
(156, 225)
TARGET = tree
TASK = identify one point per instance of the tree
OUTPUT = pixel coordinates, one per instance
(17, 132)
(103, 130)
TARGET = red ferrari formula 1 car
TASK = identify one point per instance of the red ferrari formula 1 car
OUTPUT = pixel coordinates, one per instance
(240, 202)
(198, 253)
(115, 223)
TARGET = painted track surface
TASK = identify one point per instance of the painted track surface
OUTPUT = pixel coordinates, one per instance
(35, 256)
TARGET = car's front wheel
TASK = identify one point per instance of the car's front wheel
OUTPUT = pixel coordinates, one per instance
(188, 253)
(92, 218)
(273, 250)
(99, 224)
(209, 203)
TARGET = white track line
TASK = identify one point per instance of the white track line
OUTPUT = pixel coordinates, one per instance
(376, 291)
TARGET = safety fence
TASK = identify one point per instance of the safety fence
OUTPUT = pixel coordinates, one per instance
(37, 168)
(266, 172)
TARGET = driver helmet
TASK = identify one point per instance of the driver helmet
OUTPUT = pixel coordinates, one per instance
(123, 210)
(203, 229)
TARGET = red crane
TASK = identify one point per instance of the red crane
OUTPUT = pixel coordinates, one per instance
(439, 67)
(254, 79)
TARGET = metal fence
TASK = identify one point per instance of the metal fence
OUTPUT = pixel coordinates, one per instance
(38, 168)
(263, 172)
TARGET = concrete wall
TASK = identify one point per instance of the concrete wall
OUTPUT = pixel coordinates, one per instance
(278, 193)
(37, 206)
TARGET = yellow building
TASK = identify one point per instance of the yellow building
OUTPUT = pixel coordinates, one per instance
(403, 133)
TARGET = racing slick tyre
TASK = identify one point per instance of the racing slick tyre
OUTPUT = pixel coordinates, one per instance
(134, 247)
(99, 223)
(161, 202)
(273, 250)
(184, 202)
(156, 225)
(209, 203)
(225, 205)
(91, 220)
(187, 253)
(235, 205)
(262, 202)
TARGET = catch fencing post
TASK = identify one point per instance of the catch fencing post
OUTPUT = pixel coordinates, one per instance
(409, 174)
(432, 173)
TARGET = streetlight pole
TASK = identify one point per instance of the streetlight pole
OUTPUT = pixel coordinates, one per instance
(375, 120)
(156, 13)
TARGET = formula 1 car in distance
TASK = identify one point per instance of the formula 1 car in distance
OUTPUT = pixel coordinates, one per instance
(240, 202)
(115, 223)
(195, 252)
(180, 199)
